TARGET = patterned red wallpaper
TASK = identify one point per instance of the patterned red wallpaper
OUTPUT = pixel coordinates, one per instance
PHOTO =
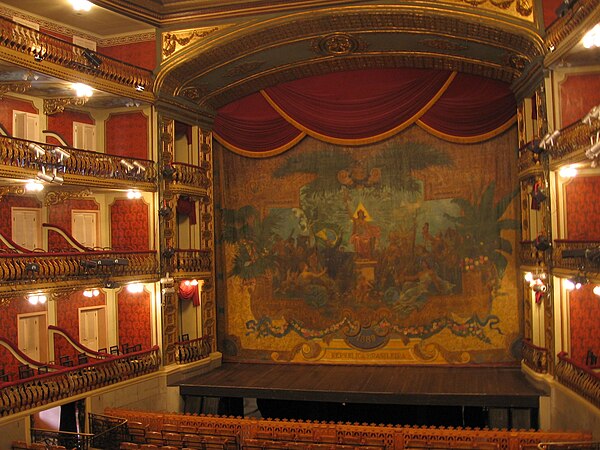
(9, 320)
(8, 105)
(129, 225)
(67, 318)
(61, 215)
(583, 215)
(127, 135)
(62, 123)
(134, 319)
(141, 54)
(578, 94)
(585, 323)
(11, 201)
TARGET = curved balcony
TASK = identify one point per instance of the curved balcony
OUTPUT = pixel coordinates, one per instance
(49, 387)
(24, 159)
(189, 263)
(573, 263)
(579, 379)
(536, 358)
(72, 269)
(40, 49)
(573, 141)
(190, 179)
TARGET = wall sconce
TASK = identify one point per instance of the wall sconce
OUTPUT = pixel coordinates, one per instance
(134, 194)
(34, 186)
(91, 293)
(596, 290)
(37, 299)
(576, 282)
(135, 288)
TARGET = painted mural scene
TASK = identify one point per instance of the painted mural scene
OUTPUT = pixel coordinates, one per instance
(385, 246)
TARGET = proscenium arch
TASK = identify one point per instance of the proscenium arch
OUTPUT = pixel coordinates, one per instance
(238, 60)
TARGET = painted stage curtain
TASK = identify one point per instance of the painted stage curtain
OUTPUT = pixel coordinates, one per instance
(367, 106)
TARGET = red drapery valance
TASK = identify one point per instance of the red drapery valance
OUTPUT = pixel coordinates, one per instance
(189, 291)
(366, 106)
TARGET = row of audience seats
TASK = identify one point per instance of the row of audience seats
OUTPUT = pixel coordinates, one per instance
(263, 444)
(132, 446)
(179, 437)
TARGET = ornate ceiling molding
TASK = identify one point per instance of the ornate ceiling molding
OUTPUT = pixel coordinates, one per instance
(174, 41)
(365, 36)
(11, 190)
(58, 105)
(17, 87)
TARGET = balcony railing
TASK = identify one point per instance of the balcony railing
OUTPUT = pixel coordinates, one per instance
(21, 268)
(190, 179)
(43, 47)
(192, 261)
(192, 350)
(574, 139)
(579, 379)
(536, 358)
(569, 22)
(573, 263)
(21, 154)
(531, 256)
(53, 386)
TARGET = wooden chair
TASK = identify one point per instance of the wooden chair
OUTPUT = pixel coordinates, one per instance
(128, 446)
(114, 350)
(25, 371)
(192, 441)
(171, 439)
(137, 432)
(169, 428)
(154, 437)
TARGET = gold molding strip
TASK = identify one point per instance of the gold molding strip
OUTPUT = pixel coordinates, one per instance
(58, 105)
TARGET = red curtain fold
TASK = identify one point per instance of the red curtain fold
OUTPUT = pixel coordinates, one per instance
(357, 105)
(250, 125)
(472, 109)
(189, 292)
(187, 207)
(361, 107)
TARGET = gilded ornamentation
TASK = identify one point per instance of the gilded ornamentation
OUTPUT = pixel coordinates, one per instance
(244, 68)
(57, 197)
(18, 87)
(444, 44)
(58, 105)
(172, 42)
(516, 61)
(195, 93)
(14, 190)
(338, 44)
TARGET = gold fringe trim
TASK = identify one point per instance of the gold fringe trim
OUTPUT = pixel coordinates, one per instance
(267, 154)
(470, 139)
(370, 139)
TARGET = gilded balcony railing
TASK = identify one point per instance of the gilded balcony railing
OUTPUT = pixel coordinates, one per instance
(24, 268)
(536, 358)
(530, 255)
(192, 350)
(190, 179)
(53, 386)
(43, 47)
(563, 26)
(579, 379)
(528, 161)
(574, 140)
(23, 154)
(192, 261)
(575, 263)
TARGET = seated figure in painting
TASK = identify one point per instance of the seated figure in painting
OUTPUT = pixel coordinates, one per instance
(364, 236)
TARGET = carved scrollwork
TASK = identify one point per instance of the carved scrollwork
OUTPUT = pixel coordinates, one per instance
(11, 190)
(57, 197)
(18, 87)
(338, 44)
(58, 105)
(173, 42)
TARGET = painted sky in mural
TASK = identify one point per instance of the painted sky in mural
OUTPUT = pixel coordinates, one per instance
(373, 248)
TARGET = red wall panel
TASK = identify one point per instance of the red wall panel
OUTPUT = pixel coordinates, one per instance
(585, 323)
(134, 319)
(8, 105)
(583, 214)
(61, 215)
(127, 135)
(141, 54)
(129, 225)
(62, 123)
(578, 94)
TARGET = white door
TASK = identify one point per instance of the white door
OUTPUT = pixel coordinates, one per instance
(26, 227)
(84, 226)
(84, 136)
(88, 328)
(26, 125)
(29, 336)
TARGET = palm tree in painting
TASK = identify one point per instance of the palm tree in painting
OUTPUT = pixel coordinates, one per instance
(481, 225)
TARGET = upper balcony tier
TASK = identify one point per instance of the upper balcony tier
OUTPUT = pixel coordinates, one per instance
(47, 54)
(22, 159)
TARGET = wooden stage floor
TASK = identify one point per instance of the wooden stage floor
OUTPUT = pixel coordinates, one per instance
(401, 385)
